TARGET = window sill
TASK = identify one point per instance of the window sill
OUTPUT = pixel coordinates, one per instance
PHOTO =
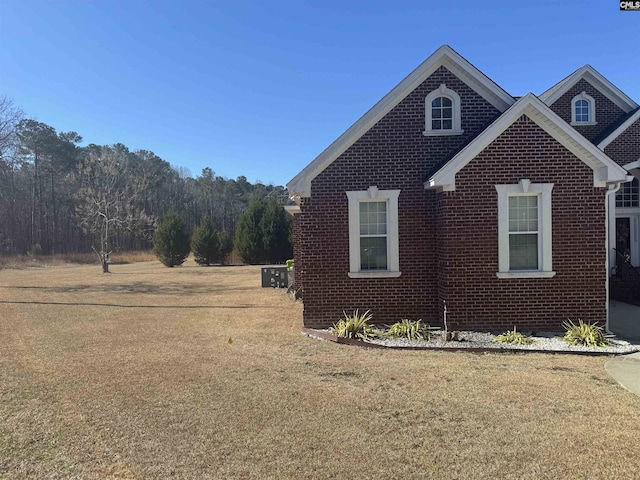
(582, 124)
(441, 133)
(374, 274)
(525, 274)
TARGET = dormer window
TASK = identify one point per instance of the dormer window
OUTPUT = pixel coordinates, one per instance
(442, 112)
(583, 110)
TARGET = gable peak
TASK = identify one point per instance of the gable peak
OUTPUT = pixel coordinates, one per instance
(594, 78)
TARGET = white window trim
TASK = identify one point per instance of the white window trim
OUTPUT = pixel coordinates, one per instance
(525, 187)
(393, 256)
(592, 109)
(443, 91)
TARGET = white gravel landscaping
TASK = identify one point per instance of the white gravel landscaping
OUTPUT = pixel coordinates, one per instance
(544, 341)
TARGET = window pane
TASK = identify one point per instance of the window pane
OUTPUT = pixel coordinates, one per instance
(447, 125)
(373, 253)
(373, 218)
(523, 251)
(446, 102)
(436, 102)
(582, 111)
(627, 196)
(436, 125)
(436, 113)
(447, 113)
(523, 213)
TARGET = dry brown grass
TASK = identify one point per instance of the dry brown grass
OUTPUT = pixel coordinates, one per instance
(130, 375)
(20, 262)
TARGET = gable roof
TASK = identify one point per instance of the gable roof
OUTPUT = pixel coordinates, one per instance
(445, 56)
(605, 170)
(626, 123)
(599, 82)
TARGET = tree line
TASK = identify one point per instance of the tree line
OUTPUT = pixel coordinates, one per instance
(57, 196)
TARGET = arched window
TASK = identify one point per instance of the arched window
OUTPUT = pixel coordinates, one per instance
(629, 195)
(442, 112)
(583, 111)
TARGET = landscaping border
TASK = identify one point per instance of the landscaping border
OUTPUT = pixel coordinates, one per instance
(359, 343)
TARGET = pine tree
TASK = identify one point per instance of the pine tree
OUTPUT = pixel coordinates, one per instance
(263, 232)
(171, 241)
(275, 225)
(249, 244)
(205, 243)
(226, 245)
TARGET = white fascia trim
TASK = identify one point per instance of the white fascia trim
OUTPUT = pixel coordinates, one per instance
(633, 166)
(545, 257)
(605, 170)
(599, 82)
(393, 247)
(292, 209)
(627, 123)
(443, 56)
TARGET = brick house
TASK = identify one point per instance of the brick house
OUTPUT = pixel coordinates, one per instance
(450, 189)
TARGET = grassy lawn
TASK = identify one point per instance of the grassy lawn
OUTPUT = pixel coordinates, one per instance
(131, 375)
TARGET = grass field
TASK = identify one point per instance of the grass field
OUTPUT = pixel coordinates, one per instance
(133, 375)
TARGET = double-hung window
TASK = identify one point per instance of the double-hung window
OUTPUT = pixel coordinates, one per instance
(373, 233)
(524, 230)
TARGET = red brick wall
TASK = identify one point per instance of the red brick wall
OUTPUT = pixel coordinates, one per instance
(626, 147)
(468, 246)
(392, 155)
(297, 254)
(448, 241)
(607, 112)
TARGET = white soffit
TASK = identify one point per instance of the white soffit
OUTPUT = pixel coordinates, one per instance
(445, 56)
(605, 170)
(599, 82)
(613, 135)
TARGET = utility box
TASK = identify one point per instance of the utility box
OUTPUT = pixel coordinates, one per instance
(275, 276)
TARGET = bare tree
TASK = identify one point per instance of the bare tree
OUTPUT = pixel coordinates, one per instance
(10, 116)
(108, 198)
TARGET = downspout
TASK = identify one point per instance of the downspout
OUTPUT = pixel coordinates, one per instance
(613, 189)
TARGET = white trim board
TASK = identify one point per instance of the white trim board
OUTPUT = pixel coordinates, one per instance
(445, 56)
(545, 258)
(390, 197)
(604, 169)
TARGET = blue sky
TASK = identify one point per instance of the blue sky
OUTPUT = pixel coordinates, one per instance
(260, 88)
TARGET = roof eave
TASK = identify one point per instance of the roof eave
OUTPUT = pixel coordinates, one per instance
(605, 170)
